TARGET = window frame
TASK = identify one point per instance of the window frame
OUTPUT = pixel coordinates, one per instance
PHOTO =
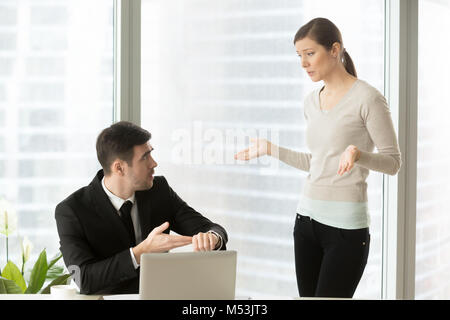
(127, 61)
(399, 192)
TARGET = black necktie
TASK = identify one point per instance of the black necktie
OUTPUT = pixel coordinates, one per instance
(125, 214)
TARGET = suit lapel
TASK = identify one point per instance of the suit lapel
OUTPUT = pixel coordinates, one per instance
(144, 211)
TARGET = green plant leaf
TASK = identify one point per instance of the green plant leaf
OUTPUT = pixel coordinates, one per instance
(38, 274)
(12, 272)
(60, 280)
(54, 272)
(9, 287)
(54, 259)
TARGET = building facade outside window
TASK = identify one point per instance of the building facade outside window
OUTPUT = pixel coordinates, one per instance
(433, 154)
(56, 94)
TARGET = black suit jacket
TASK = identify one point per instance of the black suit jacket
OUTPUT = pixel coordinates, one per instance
(94, 238)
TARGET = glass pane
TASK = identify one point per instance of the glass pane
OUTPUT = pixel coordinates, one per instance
(433, 154)
(56, 85)
(214, 72)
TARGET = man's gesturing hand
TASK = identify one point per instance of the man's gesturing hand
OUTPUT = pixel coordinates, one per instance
(157, 241)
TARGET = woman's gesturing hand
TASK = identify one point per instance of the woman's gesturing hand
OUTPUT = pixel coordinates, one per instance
(259, 147)
(348, 158)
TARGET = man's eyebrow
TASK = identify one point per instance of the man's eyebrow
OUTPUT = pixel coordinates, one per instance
(146, 153)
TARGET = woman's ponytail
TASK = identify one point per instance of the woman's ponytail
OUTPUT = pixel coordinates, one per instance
(348, 64)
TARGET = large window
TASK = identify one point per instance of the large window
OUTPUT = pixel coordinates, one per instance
(56, 94)
(215, 72)
(433, 154)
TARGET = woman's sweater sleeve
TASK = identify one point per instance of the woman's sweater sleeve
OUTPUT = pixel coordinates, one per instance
(299, 160)
(378, 121)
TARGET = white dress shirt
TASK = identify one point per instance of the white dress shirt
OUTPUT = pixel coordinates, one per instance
(117, 204)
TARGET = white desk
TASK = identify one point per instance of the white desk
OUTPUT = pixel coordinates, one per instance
(111, 297)
(262, 297)
(44, 297)
(136, 297)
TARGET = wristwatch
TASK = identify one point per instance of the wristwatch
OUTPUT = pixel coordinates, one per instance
(219, 243)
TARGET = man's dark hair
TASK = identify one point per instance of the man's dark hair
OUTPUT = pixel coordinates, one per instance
(117, 141)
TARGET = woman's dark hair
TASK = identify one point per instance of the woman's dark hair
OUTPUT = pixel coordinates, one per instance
(325, 33)
(117, 141)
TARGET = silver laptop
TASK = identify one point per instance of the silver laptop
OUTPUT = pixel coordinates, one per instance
(188, 276)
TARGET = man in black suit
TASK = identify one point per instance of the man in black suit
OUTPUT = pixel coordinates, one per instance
(124, 212)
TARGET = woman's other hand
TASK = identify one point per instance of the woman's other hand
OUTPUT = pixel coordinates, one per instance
(259, 147)
(348, 159)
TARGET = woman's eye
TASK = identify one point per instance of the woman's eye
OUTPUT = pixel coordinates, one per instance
(310, 53)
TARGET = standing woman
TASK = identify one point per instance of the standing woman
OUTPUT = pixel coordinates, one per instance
(346, 119)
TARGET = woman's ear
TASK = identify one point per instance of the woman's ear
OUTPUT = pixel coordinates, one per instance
(335, 49)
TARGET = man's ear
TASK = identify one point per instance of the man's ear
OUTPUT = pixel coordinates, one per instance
(117, 167)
